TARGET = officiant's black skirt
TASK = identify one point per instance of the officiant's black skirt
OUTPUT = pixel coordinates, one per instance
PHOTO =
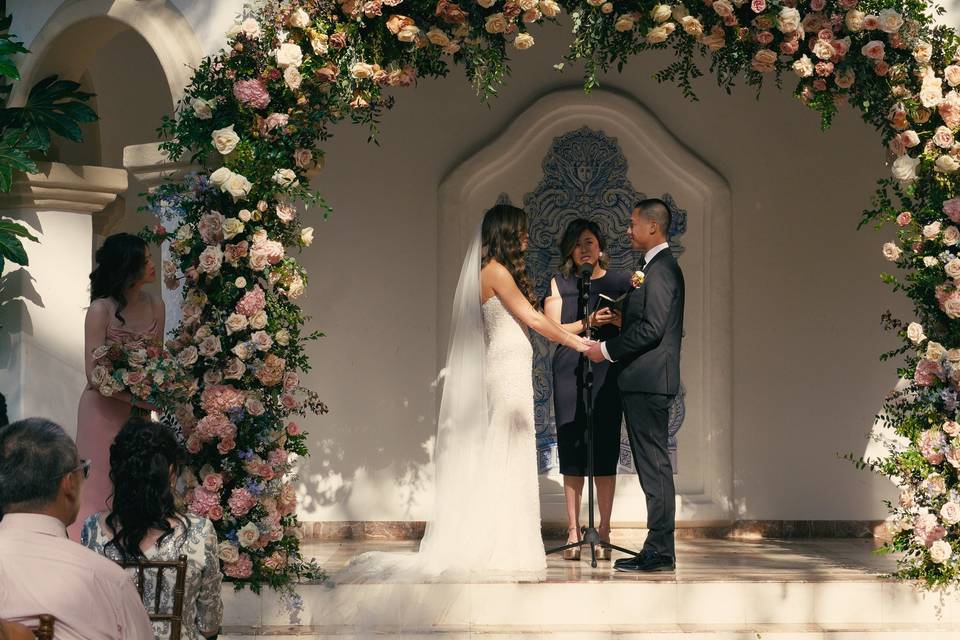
(567, 396)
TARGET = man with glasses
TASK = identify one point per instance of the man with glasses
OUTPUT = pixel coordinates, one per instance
(41, 571)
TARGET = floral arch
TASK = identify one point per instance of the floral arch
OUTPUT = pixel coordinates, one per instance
(254, 117)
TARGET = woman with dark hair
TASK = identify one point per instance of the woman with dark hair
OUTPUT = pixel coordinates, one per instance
(485, 523)
(145, 524)
(583, 243)
(121, 310)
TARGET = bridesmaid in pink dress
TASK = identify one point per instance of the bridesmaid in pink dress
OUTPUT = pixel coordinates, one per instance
(120, 310)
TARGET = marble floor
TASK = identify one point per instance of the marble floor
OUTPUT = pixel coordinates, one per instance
(698, 560)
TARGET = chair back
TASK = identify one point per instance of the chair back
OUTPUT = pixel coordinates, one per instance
(174, 617)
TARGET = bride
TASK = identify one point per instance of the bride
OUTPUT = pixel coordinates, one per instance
(486, 518)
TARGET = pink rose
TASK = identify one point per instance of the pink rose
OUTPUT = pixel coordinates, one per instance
(823, 69)
(211, 227)
(820, 84)
(288, 401)
(213, 482)
(943, 138)
(949, 109)
(215, 512)
(290, 380)
(881, 68)
(789, 47)
(193, 444)
(226, 445)
(951, 208)
(904, 218)
(285, 212)
(221, 398)
(252, 93)
(252, 302)
(303, 158)
(927, 529)
(875, 50)
(871, 22)
(255, 407)
(818, 5)
(202, 501)
(928, 373)
(242, 568)
(764, 37)
(758, 6)
(293, 429)
(241, 501)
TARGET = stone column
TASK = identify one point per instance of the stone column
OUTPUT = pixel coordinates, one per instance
(42, 306)
(150, 167)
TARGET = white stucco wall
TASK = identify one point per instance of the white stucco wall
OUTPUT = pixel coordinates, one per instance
(807, 298)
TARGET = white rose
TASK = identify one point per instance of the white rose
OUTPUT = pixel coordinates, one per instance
(236, 322)
(523, 41)
(299, 19)
(931, 230)
(220, 176)
(258, 320)
(292, 78)
(289, 54)
(320, 44)
(227, 552)
(951, 236)
(225, 140)
(661, 13)
(306, 236)
(905, 168)
(931, 91)
(285, 177)
(922, 52)
(930, 261)
(361, 70)
(237, 186)
(803, 67)
(823, 49)
(915, 333)
(231, 227)
(946, 164)
(549, 8)
(891, 252)
(203, 109)
(940, 551)
(788, 20)
(248, 534)
(890, 21)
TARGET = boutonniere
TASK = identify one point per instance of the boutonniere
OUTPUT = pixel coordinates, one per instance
(637, 279)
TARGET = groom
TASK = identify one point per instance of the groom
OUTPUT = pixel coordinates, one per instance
(648, 353)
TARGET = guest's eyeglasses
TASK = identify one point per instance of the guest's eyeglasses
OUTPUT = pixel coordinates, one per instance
(84, 468)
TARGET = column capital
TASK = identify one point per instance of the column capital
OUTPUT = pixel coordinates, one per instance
(151, 166)
(64, 187)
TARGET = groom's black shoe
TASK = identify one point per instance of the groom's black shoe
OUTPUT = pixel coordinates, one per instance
(646, 561)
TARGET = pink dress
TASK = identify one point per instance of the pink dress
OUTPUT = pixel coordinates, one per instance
(99, 420)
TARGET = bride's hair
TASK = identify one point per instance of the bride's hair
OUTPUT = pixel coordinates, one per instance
(503, 228)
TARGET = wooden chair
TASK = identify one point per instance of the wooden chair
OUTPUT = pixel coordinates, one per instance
(175, 617)
(44, 630)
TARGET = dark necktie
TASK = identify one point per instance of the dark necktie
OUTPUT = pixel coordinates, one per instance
(642, 263)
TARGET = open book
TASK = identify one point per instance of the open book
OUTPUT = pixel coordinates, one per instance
(606, 302)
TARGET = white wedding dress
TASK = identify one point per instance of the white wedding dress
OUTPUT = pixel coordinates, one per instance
(485, 525)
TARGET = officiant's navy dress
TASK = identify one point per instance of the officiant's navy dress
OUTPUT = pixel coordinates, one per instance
(568, 403)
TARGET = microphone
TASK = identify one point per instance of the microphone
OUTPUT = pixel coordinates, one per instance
(585, 270)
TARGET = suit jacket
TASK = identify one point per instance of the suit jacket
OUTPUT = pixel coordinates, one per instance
(648, 347)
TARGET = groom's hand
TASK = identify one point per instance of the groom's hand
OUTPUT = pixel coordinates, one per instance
(594, 353)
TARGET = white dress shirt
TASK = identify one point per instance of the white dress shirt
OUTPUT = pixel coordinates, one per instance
(41, 571)
(647, 257)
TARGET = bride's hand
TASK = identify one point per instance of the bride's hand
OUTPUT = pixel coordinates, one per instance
(583, 344)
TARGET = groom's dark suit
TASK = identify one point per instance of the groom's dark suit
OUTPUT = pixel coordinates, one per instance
(648, 355)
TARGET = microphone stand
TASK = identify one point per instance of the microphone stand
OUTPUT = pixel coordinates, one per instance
(585, 386)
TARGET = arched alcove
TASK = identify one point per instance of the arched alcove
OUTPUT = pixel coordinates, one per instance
(657, 164)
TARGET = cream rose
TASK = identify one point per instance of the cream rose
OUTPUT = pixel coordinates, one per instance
(905, 168)
(242, 351)
(228, 553)
(658, 34)
(723, 8)
(946, 164)
(952, 268)
(306, 236)
(261, 340)
(188, 356)
(922, 52)
(203, 109)
(692, 26)
(940, 551)
(225, 140)
(210, 346)
(890, 21)
(854, 20)
(951, 236)
(931, 230)
(361, 70)
(915, 333)
(523, 41)
(952, 74)
(244, 215)
(788, 20)
(292, 78)
(250, 28)
(240, 282)
(248, 534)
(823, 50)
(891, 252)
(285, 177)
(235, 322)
(408, 33)
(237, 186)
(803, 67)
(496, 23)
(320, 44)
(624, 23)
(288, 54)
(234, 369)
(549, 8)
(220, 176)
(282, 337)
(438, 37)
(258, 320)
(211, 259)
(98, 376)
(486, 4)
(930, 261)
(661, 12)
(950, 512)
(232, 227)
(299, 19)
(931, 91)
(935, 351)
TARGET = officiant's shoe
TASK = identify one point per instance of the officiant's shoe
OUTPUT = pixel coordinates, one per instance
(646, 562)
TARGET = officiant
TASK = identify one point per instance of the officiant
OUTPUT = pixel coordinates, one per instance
(583, 243)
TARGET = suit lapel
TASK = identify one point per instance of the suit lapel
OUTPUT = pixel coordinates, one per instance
(646, 271)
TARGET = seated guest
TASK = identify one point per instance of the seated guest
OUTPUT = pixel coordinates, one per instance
(144, 524)
(41, 571)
